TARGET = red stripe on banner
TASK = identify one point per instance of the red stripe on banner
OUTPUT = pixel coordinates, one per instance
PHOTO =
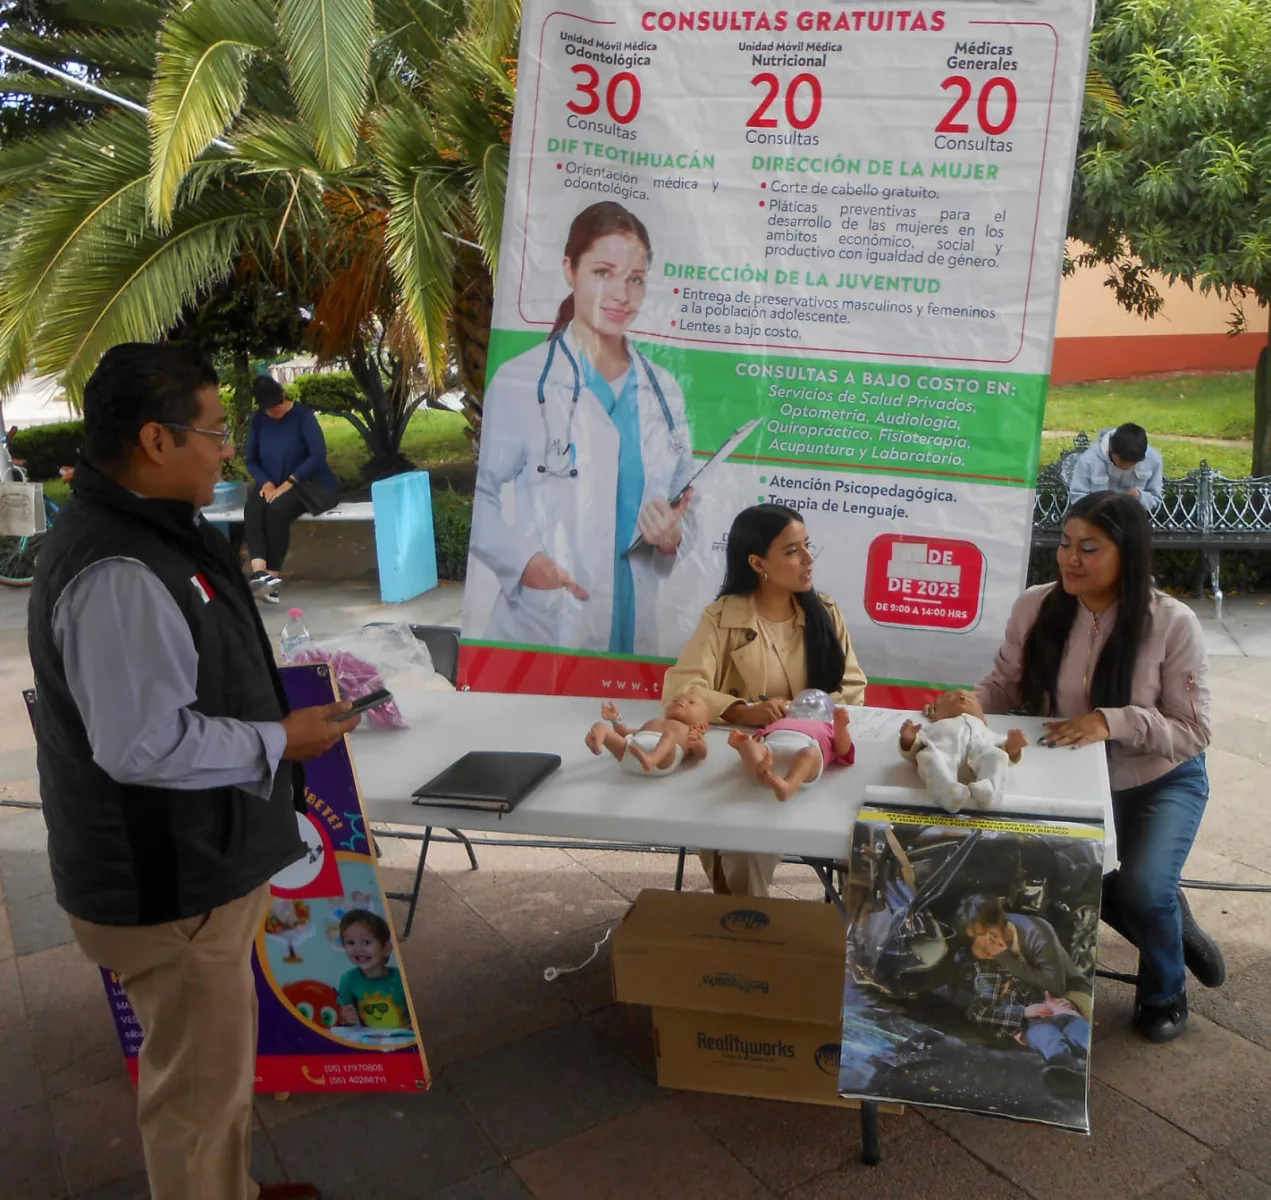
(895, 695)
(551, 673)
(307, 1073)
(302, 1073)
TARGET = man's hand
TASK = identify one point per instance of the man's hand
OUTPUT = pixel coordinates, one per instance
(1036, 1011)
(1061, 1006)
(1085, 730)
(545, 575)
(310, 733)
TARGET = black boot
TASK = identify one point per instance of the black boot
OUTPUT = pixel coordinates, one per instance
(1065, 1075)
(1162, 1022)
(1200, 951)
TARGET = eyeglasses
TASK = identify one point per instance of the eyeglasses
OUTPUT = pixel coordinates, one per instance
(221, 435)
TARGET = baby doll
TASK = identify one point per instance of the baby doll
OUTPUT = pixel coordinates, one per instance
(658, 746)
(958, 740)
(811, 735)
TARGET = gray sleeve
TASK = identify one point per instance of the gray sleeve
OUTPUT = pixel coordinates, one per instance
(132, 669)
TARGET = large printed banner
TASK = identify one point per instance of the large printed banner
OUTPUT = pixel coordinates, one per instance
(335, 1012)
(971, 964)
(814, 255)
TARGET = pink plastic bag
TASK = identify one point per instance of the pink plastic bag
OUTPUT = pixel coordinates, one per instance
(356, 679)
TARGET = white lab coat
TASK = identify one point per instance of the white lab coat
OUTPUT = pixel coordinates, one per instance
(570, 519)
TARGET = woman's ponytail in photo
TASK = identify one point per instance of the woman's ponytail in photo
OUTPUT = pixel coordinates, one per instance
(564, 315)
(588, 227)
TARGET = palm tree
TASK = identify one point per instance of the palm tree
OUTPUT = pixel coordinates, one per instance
(353, 152)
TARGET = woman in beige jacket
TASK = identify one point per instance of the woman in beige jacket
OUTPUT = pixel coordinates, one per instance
(767, 638)
(1118, 662)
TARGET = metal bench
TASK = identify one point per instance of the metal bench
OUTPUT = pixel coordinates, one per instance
(362, 510)
(1202, 511)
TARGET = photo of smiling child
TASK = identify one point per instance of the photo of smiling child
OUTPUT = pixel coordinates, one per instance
(371, 992)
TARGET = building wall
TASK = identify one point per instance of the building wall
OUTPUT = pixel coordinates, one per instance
(1097, 339)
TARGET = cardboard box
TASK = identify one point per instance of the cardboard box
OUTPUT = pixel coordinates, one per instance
(777, 959)
(749, 1056)
(747, 994)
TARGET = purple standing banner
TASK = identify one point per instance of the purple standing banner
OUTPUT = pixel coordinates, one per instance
(335, 1010)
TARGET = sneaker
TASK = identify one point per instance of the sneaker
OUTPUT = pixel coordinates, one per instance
(1162, 1022)
(274, 595)
(1200, 951)
(263, 579)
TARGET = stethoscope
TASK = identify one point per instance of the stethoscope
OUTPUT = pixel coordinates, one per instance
(557, 341)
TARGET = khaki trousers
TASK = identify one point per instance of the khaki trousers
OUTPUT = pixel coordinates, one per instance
(739, 874)
(190, 983)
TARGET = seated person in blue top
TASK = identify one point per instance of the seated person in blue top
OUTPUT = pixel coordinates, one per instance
(1120, 461)
(287, 459)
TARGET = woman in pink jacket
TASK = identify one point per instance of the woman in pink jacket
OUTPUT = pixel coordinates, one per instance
(1118, 662)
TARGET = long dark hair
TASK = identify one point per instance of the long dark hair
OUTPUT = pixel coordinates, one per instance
(1122, 519)
(594, 222)
(753, 532)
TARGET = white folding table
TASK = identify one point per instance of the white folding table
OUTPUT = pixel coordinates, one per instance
(707, 803)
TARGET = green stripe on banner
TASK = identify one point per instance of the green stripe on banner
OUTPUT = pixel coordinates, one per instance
(846, 414)
(920, 684)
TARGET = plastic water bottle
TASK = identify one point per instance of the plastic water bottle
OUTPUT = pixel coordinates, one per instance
(295, 636)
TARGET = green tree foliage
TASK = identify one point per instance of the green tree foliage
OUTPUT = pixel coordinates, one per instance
(349, 156)
(1174, 170)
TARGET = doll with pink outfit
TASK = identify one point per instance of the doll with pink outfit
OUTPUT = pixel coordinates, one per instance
(795, 750)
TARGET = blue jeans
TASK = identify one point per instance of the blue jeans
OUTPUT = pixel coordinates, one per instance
(1058, 1035)
(1156, 826)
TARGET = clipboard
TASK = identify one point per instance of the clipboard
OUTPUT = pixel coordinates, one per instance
(734, 439)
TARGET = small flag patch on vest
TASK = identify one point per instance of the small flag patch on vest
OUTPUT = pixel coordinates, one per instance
(203, 588)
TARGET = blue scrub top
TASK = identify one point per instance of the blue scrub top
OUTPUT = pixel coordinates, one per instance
(623, 407)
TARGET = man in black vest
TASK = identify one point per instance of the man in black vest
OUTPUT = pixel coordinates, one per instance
(167, 757)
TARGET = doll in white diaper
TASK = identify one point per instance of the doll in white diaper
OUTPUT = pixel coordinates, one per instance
(795, 750)
(659, 745)
(959, 744)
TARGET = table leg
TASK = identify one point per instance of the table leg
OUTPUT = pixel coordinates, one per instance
(679, 870)
(413, 898)
(825, 875)
(871, 1150)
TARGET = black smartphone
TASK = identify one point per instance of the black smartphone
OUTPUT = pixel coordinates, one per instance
(364, 704)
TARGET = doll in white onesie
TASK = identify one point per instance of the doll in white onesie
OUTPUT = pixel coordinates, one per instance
(958, 742)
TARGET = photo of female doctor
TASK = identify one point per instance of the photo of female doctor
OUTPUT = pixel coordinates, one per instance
(592, 439)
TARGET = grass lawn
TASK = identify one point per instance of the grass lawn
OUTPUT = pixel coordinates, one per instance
(1216, 406)
(432, 437)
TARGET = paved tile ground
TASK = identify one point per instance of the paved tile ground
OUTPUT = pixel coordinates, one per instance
(546, 1090)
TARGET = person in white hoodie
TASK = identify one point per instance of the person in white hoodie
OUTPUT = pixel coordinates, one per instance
(1120, 461)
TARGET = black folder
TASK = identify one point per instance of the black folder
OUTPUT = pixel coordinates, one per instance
(488, 780)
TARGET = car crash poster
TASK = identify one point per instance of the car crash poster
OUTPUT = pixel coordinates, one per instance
(808, 256)
(335, 1011)
(971, 964)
